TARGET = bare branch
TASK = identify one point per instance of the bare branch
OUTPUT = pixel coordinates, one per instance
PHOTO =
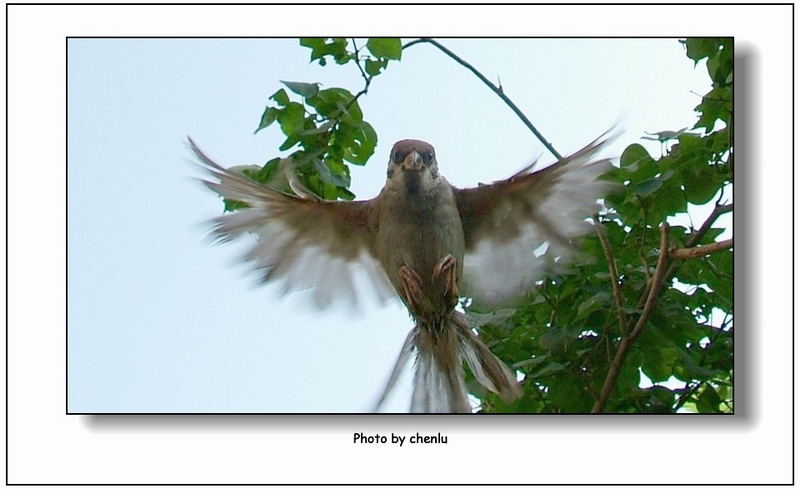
(613, 373)
(701, 232)
(626, 341)
(492, 87)
(698, 251)
(658, 278)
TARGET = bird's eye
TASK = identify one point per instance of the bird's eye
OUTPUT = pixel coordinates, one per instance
(398, 156)
(427, 157)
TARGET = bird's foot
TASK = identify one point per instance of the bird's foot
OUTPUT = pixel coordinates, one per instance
(446, 268)
(411, 287)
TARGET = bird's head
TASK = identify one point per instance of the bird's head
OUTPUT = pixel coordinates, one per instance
(412, 164)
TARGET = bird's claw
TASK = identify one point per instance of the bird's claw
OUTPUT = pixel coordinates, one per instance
(446, 268)
(410, 287)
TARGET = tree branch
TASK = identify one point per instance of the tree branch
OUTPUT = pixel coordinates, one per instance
(612, 269)
(626, 341)
(613, 373)
(492, 87)
(701, 231)
(698, 251)
(698, 235)
(658, 278)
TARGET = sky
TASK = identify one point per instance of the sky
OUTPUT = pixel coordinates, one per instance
(160, 320)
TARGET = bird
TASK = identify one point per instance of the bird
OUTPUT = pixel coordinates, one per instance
(427, 242)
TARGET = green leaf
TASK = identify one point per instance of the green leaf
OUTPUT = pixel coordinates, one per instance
(374, 67)
(335, 47)
(531, 361)
(569, 395)
(592, 304)
(690, 148)
(233, 205)
(289, 142)
(329, 102)
(292, 118)
(363, 144)
(550, 368)
(702, 47)
(280, 97)
(713, 65)
(690, 370)
(720, 57)
(312, 42)
(268, 117)
(350, 114)
(700, 184)
(267, 172)
(345, 194)
(318, 130)
(496, 317)
(720, 279)
(647, 187)
(668, 201)
(325, 173)
(385, 47)
(303, 89)
(709, 401)
(555, 339)
(655, 367)
(634, 155)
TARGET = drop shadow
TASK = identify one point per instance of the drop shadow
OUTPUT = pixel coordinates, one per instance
(746, 346)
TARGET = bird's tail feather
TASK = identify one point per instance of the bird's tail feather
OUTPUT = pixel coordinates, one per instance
(439, 385)
(405, 354)
(489, 370)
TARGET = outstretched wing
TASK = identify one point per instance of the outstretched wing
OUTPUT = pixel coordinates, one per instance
(302, 242)
(507, 222)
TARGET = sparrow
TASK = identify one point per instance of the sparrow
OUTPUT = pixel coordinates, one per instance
(428, 243)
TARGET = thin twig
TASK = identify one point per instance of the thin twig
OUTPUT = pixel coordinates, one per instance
(689, 391)
(493, 88)
(626, 341)
(715, 270)
(583, 376)
(367, 78)
(612, 269)
(714, 337)
(649, 278)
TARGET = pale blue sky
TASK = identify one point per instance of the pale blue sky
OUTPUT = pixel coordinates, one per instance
(160, 321)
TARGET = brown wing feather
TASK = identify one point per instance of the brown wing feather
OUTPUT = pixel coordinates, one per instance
(302, 242)
(504, 222)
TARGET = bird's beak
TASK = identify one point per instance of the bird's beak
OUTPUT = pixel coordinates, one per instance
(413, 161)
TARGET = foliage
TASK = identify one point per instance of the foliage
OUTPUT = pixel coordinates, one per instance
(565, 339)
(582, 342)
(326, 128)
